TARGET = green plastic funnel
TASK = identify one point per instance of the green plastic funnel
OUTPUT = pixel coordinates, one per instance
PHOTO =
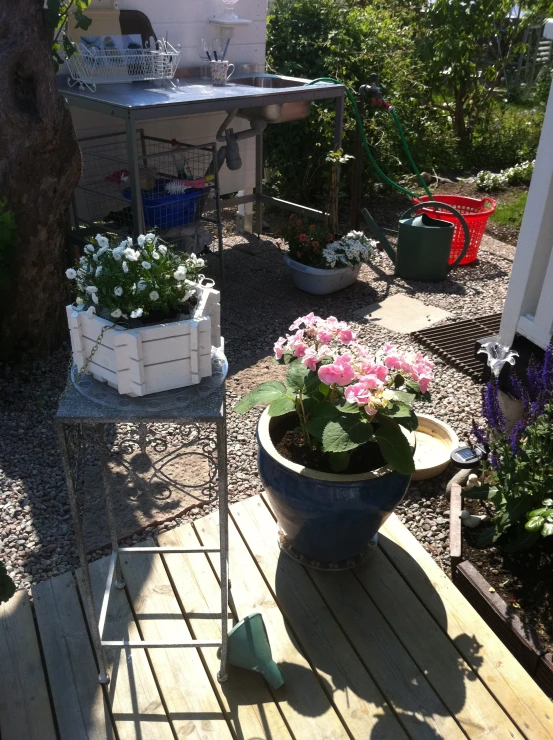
(248, 647)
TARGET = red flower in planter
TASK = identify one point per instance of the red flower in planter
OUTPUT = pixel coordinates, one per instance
(303, 238)
(298, 222)
(312, 227)
(315, 245)
(330, 237)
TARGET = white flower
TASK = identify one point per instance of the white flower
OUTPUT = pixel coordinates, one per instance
(102, 241)
(71, 273)
(90, 312)
(95, 257)
(180, 273)
(146, 265)
(118, 291)
(102, 250)
(83, 260)
(91, 289)
(498, 355)
(79, 301)
(131, 255)
(94, 297)
(117, 313)
(116, 256)
(125, 267)
(154, 295)
(162, 249)
(155, 255)
(129, 241)
(136, 314)
(140, 240)
(150, 238)
(142, 285)
(89, 248)
(98, 270)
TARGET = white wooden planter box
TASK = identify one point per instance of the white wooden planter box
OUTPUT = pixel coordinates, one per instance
(149, 359)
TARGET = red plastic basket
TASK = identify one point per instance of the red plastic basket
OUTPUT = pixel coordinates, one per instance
(476, 213)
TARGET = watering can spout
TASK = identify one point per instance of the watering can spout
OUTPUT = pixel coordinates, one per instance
(248, 647)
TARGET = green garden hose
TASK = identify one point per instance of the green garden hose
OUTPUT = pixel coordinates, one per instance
(367, 149)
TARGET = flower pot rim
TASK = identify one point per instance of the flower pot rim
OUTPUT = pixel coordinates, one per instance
(267, 444)
(318, 270)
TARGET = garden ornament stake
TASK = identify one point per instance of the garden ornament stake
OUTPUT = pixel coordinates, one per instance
(248, 647)
(423, 243)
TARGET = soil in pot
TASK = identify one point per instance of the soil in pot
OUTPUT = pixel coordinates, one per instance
(524, 580)
(290, 443)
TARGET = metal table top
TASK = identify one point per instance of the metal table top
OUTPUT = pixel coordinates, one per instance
(75, 408)
(143, 100)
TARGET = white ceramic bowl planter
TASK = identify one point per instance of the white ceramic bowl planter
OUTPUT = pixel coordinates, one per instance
(148, 359)
(317, 281)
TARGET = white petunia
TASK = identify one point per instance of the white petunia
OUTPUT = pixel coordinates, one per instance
(83, 260)
(89, 248)
(155, 255)
(150, 238)
(79, 301)
(90, 312)
(180, 273)
(91, 289)
(131, 255)
(102, 241)
(154, 295)
(94, 297)
(162, 249)
(125, 267)
(146, 265)
(116, 256)
(117, 313)
(95, 257)
(136, 314)
(140, 240)
(141, 285)
(98, 270)
(118, 291)
(71, 273)
(102, 251)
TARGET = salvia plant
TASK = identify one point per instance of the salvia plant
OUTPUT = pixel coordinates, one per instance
(344, 394)
(520, 461)
(125, 281)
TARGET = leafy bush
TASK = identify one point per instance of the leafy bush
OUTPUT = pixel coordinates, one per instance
(520, 174)
(520, 466)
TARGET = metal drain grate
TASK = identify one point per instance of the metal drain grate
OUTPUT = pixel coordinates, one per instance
(455, 343)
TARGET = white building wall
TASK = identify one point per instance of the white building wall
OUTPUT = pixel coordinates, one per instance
(185, 22)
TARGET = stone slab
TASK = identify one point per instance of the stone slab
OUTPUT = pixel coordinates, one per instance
(402, 314)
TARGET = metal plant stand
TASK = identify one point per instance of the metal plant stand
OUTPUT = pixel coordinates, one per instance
(77, 417)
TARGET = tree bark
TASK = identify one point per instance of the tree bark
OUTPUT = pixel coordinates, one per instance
(459, 121)
(40, 165)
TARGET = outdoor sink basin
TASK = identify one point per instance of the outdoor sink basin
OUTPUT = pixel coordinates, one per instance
(276, 112)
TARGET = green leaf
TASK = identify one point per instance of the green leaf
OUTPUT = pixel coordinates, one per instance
(537, 512)
(547, 529)
(296, 376)
(485, 537)
(516, 508)
(338, 461)
(321, 414)
(264, 393)
(484, 493)
(282, 405)
(534, 524)
(521, 542)
(404, 397)
(324, 390)
(346, 433)
(82, 21)
(395, 447)
(348, 408)
(312, 382)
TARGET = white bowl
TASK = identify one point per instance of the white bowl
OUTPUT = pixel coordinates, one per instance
(435, 442)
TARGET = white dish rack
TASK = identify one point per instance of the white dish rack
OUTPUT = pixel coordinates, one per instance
(91, 66)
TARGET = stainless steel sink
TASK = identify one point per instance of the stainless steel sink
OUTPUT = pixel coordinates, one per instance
(275, 112)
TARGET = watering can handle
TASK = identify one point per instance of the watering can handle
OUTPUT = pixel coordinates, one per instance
(446, 207)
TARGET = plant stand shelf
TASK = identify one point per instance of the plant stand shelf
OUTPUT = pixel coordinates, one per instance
(77, 415)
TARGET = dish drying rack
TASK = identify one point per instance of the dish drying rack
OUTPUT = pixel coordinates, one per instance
(91, 66)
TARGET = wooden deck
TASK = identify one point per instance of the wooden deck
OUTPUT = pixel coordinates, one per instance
(391, 650)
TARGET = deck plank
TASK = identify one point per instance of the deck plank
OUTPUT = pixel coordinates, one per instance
(137, 708)
(305, 706)
(497, 668)
(24, 704)
(78, 697)
(421, 710)
(246, 698)
(189, 696)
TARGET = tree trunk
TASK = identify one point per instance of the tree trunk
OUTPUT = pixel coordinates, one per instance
(40, 165)
(459, 122)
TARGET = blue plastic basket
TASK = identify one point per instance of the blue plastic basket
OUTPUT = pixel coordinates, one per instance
(166, 211)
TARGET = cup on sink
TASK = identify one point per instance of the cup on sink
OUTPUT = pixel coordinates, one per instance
(220, 72)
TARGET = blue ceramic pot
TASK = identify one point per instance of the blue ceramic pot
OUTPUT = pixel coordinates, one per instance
(326, 517)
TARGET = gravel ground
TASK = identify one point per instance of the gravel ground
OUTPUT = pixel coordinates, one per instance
(259, 303)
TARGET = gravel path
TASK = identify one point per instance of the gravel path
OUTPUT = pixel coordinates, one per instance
(36, 540)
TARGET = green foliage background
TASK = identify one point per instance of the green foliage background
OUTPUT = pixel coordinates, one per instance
(349, 40)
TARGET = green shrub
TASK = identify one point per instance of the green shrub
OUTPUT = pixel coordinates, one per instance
(519, 174)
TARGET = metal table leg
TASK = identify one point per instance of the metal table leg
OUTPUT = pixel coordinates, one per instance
(104, 460)
(88, 596)
(138, 226)
(223, 534)
(259, 184)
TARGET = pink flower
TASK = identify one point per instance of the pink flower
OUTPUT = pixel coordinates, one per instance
(340, 371)
(346, 336)
(358, 393)
(278, 347)
(424, 383)
(311, 358)
(300, 349)
(324, 335)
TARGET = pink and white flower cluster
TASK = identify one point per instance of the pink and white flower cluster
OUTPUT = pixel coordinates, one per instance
(330, 348)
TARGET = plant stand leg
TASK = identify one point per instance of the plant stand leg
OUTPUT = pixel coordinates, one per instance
(88, 596)
(104, 460)
(223, 535)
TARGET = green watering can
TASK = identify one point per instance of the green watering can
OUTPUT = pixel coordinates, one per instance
(423, 243)
(248, 647)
